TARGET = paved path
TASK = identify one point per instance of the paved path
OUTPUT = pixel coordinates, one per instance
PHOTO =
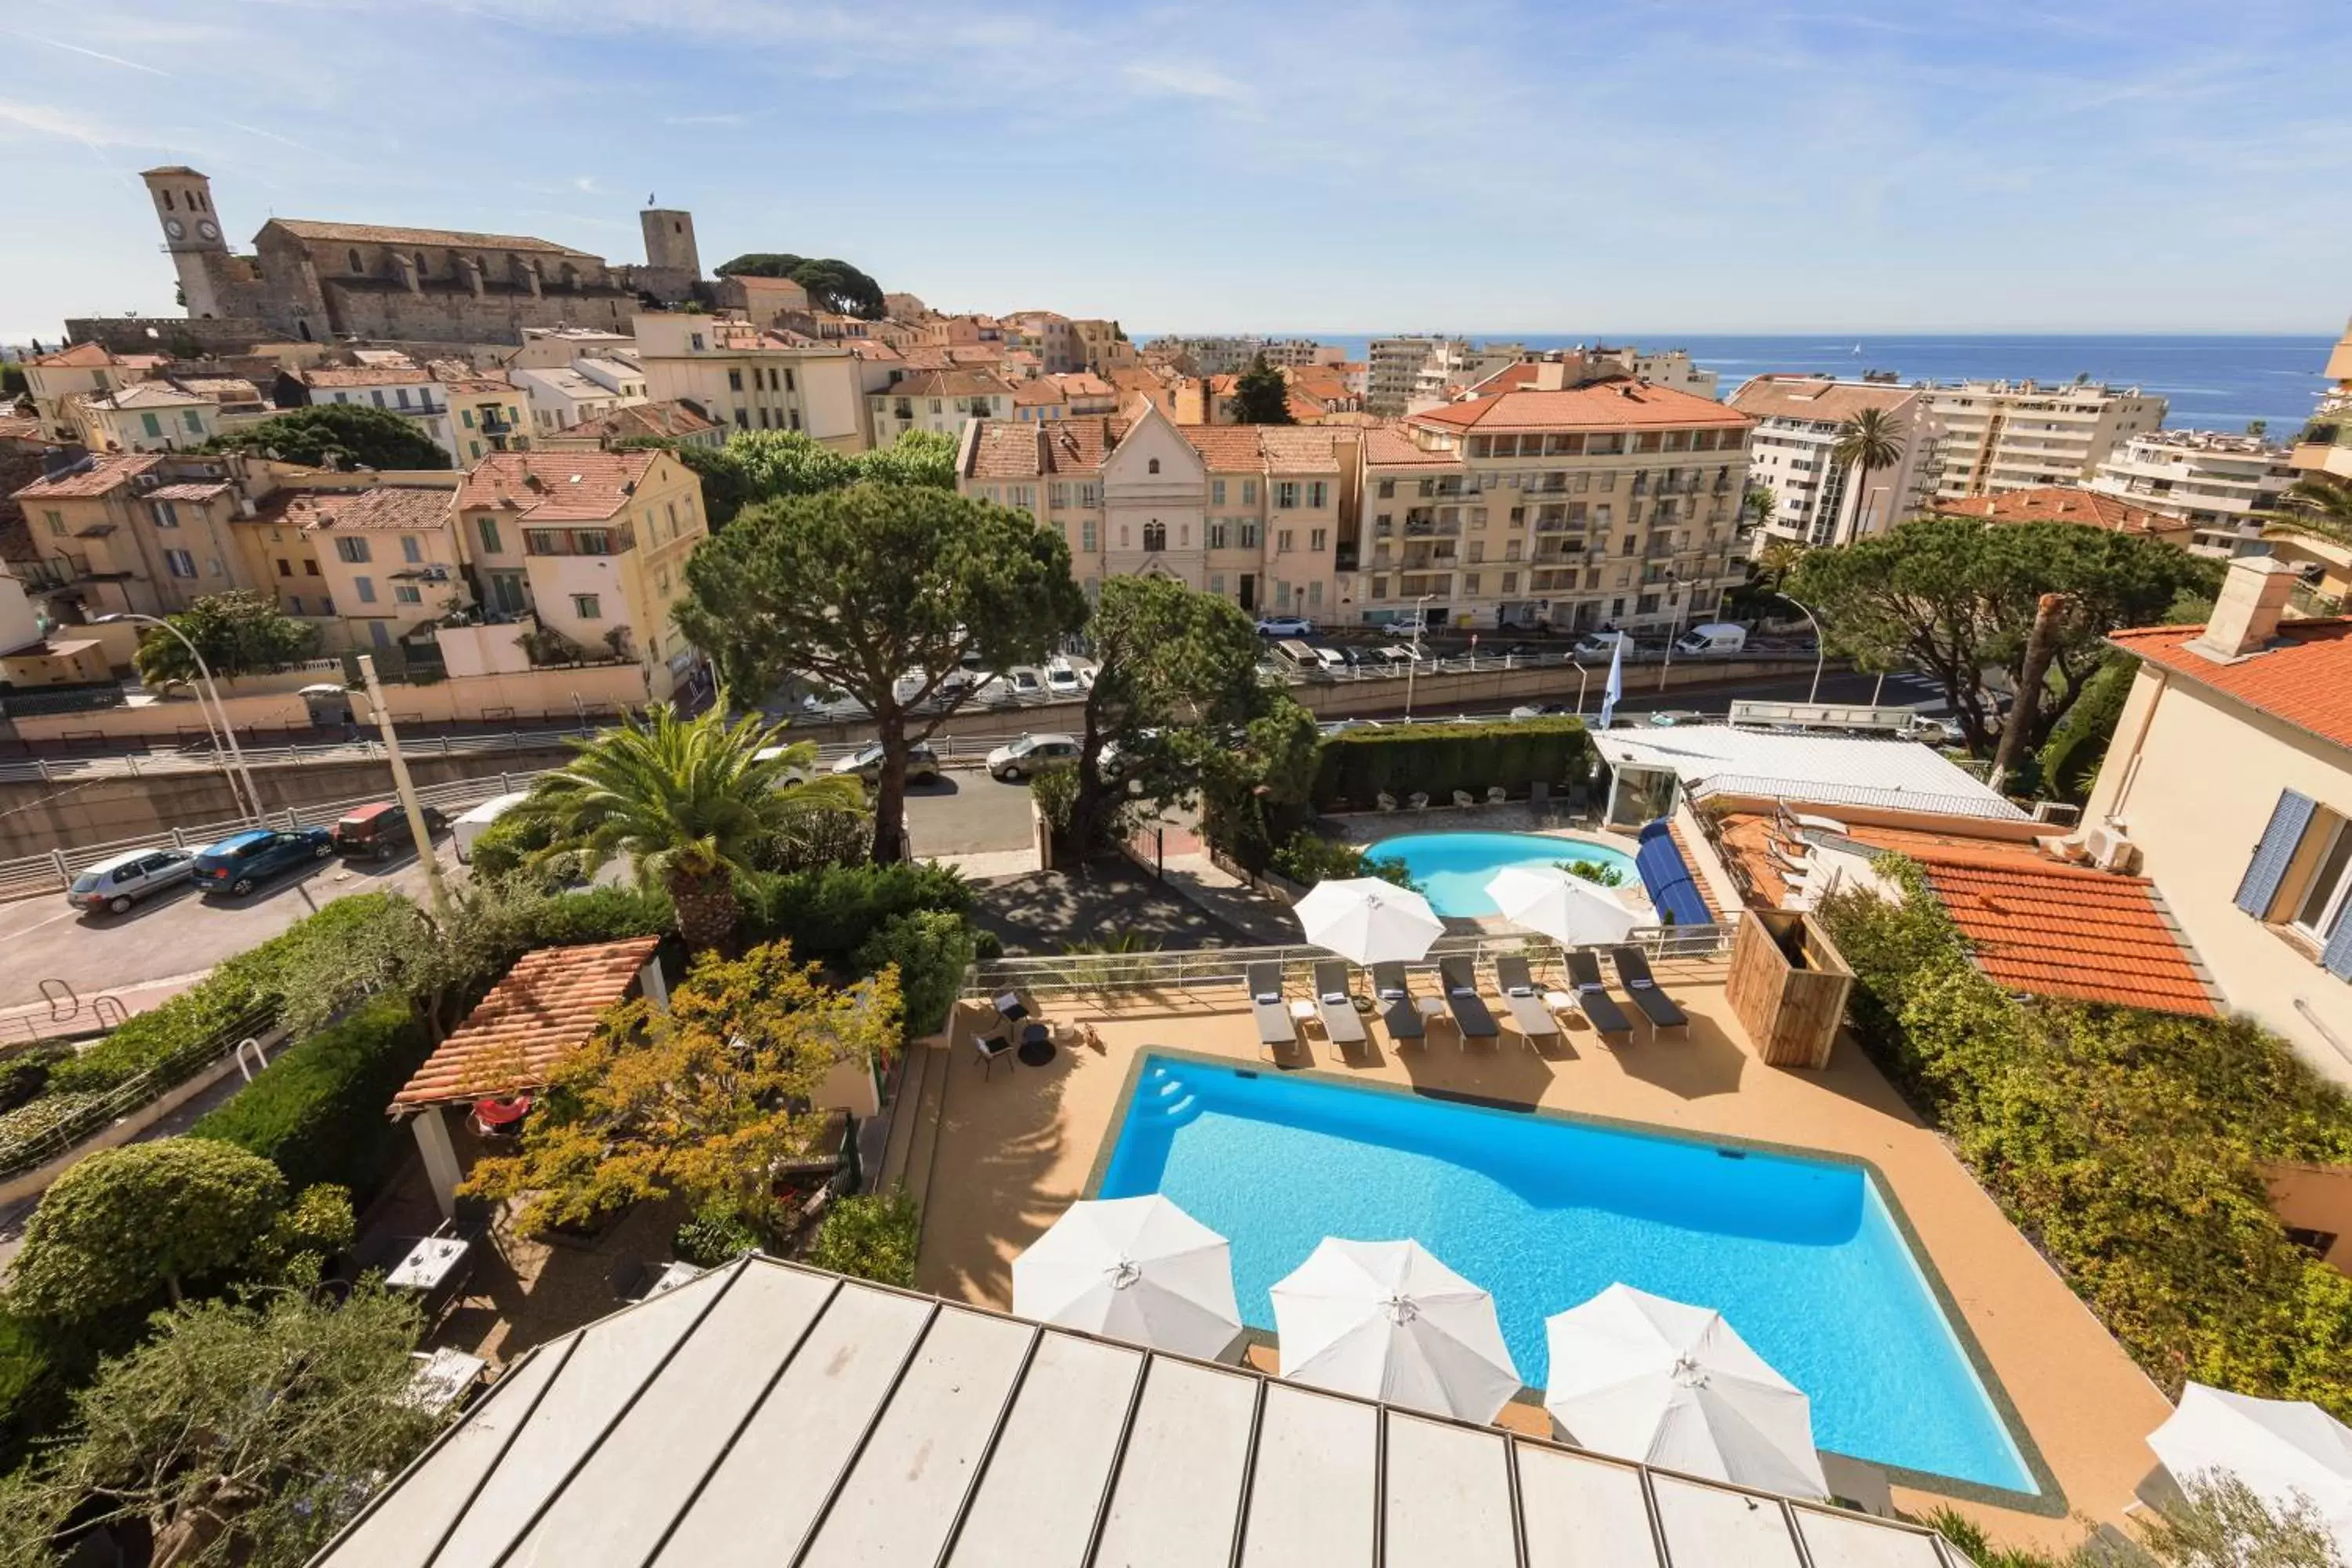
(1227, 899)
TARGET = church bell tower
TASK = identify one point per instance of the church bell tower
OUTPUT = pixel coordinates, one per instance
(192, 232)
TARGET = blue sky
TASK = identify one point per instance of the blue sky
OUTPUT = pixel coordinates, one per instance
(1561, 165)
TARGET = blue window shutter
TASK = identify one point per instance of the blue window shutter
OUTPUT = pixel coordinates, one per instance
(2268, 869)
(2337, 955)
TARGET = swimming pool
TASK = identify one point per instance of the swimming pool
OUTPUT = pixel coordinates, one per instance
(1453, 868)
(1801, 1255)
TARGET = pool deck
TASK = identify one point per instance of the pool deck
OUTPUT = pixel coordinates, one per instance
(1013, 1150)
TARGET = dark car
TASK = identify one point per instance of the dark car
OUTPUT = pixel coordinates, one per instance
(243, 861)
(379, 832)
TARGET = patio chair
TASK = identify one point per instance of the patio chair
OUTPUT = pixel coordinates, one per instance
(1335, 1004)
(1519, 994)
(1462, 797)
(1274, 1025)
(1417, 801)
(1459, 977)
(992, 1043)
(1497, 794)
(1660, 1009)
(1592, 998)
(1385, 801)
(1400, 1011)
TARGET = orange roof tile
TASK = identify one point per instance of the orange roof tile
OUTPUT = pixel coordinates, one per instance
(2304, 678)
(1603, 406)
(1818, 398)
(546, 1007)
(646, 419)
(2062, 503)
(556, 486)
(393, 508)
(1386, 445)
(97, 479)
(74, 356)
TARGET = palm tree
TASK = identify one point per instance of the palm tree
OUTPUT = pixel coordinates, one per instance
(2322, 504)
(689, 801)
(1870, 440)
(1780, 558)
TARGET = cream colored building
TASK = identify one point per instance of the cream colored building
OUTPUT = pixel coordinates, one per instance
(57, 382)
(2218, 484)
(2019, 434)
(1395, 376)
(1799, 421)
(938, 401)
(2324, 445)
(2230, 778)
(145, 416)
(744, 378)
(1253, 513)
(591, 544)
(1103, 346)
(567, 396)
(396, 386)
(1612, 504)
(486, 416)
(389, 557)
(132, 532)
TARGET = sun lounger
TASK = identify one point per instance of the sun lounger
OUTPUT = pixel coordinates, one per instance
(1275, 1026)
(1459, 976)
(1519, 994)
(1592, 998)
(1399, 1010)
(1633, 973)
(1336, 1003)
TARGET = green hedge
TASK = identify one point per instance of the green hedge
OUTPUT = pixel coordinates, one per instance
(318, 1113)
(831, 912)
(2129, 1145)
(1356, 765)
(932, 948)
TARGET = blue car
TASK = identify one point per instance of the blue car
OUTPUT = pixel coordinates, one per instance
(243, 861)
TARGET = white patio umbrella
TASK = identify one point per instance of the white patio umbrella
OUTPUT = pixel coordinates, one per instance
(1644, 1378)
(1387, 1320)
(2278, 1448)
(1367, 921)
(1561, 905)
(1134, 1268)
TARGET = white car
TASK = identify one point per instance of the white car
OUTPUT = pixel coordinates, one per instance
(1284, 626)
(1014, 762)
(1026, 682)
(1062, 679)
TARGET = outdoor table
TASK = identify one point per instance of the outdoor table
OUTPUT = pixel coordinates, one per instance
(1036, 1046)
(432, 1263)
(443, 1379)
(1431, 1006)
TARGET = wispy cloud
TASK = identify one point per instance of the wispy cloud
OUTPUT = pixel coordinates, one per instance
(586, 185)
(44, 119)
(715, 119)
(1169, 79)
(99, 54)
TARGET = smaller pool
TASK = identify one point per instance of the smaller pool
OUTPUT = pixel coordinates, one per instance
(1453, 868)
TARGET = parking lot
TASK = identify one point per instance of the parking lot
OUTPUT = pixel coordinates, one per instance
(965, 812)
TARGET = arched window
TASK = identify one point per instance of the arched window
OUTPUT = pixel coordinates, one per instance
(1155, 465)
(570, 276)
(353, 257)
(423, 268)
(167, 201)
(1155, 535)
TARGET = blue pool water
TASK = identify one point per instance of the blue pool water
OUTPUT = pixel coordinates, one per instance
(1453, 868)
(1800, 1255)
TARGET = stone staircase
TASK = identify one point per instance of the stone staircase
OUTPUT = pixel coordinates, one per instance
(908, 1157)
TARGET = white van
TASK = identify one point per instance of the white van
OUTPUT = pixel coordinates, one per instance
(1713, 637)
(1601, 643)
(1299, 655)
(468, 828)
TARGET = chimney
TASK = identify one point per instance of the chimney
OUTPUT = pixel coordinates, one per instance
(1551, 375)
(2246, 616)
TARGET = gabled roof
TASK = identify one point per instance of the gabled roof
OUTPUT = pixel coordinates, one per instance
(770, 1413)
(556, 486)
(404, 509)
(1386, 445)
(1603, 406)
(145, 394)
(949, 384)
(673, 419)
(547, 1007)
(2062, 503)
(100, 477)
(363, 375)
(448, 238)
(2304, 678)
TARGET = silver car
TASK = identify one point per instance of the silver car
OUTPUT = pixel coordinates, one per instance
(113, 885)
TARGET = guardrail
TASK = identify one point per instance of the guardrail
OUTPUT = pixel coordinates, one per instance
(79, 1120)
(1222, 966)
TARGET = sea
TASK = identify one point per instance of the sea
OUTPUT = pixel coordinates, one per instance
(2211, 382)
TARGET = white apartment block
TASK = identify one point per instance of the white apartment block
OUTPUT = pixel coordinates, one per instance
(1394, 366)
(2002, 436)
(1798, 419)
(1610, 504)
(1253, 513)
(2218, 484)
(570, 395)
(1294, 353)
(938, 401)
(743, 377)
(1213, 356)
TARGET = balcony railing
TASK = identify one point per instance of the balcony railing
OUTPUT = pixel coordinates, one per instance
(1432, 530)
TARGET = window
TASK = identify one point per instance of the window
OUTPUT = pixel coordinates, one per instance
(1380, 587)
(153, 425)
(587, 606)
(348, 548)
(1216, 492)
(788, 380)
(310, 569)
(1282, 540)
(734, 381)
(1249, 493)
(1249, 533)
(1510, 583)
(403, 593)
(293, 603)
(1388, 488)
(1086, 536)
(167, 515)
(285, 567)
(179, 562)
(792, 415)
(476, 448)
(1155, 535)
(56, 521)
(411, 549)
(402, 393)
(742, 419)
(194, 422)
(377, 395)
(366, 589)
(1286, 493)
(1152, 467)
(1318, 492)
(351, 258)
(1316, 539)
(694, 342)
(1217, 533)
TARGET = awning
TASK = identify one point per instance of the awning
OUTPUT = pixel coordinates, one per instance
(1666, 877)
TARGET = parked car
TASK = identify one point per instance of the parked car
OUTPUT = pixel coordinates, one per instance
(1542, 710)
(1527, 650)
(472, 824)
(1284, 626)
(1026, 682)
(1341, 726)
(243, 861)
(381, 831)
(119, 881)
(1330, 658)
(1025, 756)
(1062, 679)
(866, 763)
(1602, 643)
(1712, 637)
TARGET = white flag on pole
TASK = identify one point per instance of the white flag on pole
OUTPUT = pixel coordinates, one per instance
(1616, 686)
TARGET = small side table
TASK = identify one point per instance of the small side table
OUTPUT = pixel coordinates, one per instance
(1430, 1006)
(1303, 1011)
(1036, 1046)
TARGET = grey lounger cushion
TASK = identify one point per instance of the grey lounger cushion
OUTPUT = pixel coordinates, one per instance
(1336, 1003)
(1519, 994)
(1633, 973)
(1459, 976)
(1275, 1026)
(1395, 997)
(1592, 998)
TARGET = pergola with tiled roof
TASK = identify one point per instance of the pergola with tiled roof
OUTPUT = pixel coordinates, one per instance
(547, 1007)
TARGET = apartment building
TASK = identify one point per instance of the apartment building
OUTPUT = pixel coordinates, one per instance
(2016, 434)
(144, 416)
(552, 348)
(1051, 336)
(1394, 376)
(388, 558)
(1069, 396)
(1103, 346)
(1798, 420)
(665, 421)
(938, 401)
(2216, 484)
(486, 416)
(1612, 504)
(398, 387)
(2324, 445)
(1253, 513)
(139, 532)
(1293, 354)
(279, 558)
(744, 377)
(57, 382)
(567, 395)
(1210, 355)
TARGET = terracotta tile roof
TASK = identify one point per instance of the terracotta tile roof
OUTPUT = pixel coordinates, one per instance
(1013, 450)
(1041, 393)
(220, 388)
(144, 394)
(1082, 384)
(1387, 446)
(450, 238)
(74, 356)
(20, 427)
(363, 375)
(2304, 678)
(1603, 406)
(949, 384)
(2062, 503)
(556, 486)
(645, 419)
(194, 489)
(546, 1007)
(95, 480)
(407, 509)
(1814, 397)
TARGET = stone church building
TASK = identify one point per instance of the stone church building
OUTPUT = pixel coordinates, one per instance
(316, 283)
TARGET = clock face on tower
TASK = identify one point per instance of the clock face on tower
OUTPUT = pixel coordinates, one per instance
(174, 227)
(207, 229)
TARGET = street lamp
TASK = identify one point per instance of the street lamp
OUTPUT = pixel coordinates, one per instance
(1820, 646)
(1420, 619)
(1584, 677)
(251, 805)
(1666, 668)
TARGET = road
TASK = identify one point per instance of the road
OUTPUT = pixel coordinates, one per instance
(965, 812)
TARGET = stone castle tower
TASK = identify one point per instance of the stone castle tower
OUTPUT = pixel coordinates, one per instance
(669, 240)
